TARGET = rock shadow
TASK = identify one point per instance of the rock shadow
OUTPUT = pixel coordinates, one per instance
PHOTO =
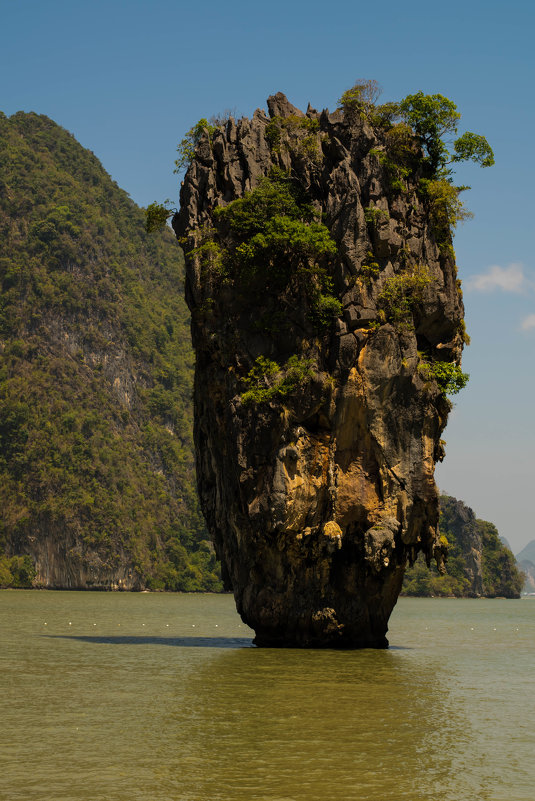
(176, 642)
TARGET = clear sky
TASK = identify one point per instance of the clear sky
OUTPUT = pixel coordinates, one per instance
(129, 78)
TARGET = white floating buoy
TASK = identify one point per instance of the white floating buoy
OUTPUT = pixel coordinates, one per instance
(193, 625)
(70, 624)
(167, 625)
(142, 624)
(471, 629)
(46, 624)
(94, 624)
(494, 629)
(217, 625)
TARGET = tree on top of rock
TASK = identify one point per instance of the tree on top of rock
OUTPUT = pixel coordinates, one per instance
(433, 118)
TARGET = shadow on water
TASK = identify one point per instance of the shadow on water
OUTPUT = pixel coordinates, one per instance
(189, 642)
(177, 642)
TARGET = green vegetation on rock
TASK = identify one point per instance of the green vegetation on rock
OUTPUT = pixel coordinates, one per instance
(188, 145)
(95, 375)
(430, 122)
(446, 209)
(157, 215)
(361, 98)
(402, 293)
(448, 376)
(267, 239)
(267, 380)
(434, 117)
(282, 133)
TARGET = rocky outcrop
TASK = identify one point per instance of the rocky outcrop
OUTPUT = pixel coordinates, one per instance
(318, 412)
(459, 524)
(488, 567)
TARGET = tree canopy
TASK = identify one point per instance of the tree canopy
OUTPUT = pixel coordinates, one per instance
(433, 118)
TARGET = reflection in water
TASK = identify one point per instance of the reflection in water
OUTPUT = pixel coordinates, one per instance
(311, 725)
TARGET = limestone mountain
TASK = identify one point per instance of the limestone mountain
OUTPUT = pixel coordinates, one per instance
(526, 563)
(528, 552)
(328, 327)
(96, 465)
(478, 564)
(527, 567)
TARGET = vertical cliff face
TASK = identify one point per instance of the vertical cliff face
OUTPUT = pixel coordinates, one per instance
(325, 315)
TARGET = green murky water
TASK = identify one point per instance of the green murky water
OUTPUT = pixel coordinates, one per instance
(152, 697)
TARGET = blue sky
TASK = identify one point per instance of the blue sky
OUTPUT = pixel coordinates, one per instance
(129, 78)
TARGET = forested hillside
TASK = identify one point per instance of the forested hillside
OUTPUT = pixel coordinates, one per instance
(97, 483)
(478, 563)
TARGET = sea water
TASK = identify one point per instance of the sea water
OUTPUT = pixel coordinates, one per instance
(163, 697)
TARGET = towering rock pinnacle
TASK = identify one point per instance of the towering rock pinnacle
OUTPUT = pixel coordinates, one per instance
(327, 322)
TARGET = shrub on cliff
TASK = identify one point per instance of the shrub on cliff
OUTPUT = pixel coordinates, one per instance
(448, 376)
(363, 94)
(157, 215)
(402, 293)
(269, 238)
(267, 380)
(188, 145)
(271, 231)
(446, 207)
(431, 117)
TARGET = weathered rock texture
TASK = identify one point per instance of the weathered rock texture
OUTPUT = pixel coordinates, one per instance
(316, 501)
(64, 562)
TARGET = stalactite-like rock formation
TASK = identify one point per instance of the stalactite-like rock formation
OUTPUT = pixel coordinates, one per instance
(325, 315)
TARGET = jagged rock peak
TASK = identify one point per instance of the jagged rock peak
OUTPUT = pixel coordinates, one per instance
(279, 106)
(325, 315)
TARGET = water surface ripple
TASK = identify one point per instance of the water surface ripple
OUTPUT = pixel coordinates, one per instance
(95, 709)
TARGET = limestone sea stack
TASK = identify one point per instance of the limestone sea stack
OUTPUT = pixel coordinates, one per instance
(327, 324)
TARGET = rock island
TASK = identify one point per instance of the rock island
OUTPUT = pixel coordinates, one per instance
(327, 321)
